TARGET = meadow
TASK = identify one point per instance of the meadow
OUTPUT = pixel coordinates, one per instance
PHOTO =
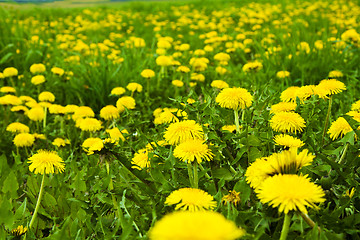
(204, 120)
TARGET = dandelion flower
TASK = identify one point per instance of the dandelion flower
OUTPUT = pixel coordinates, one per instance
(258, 171)
(80, 112)
(10, 72)
(147, 73)
(289, 94)
(134, 87)
(290, 192)
(288, 141)
(88, 124)
(283, 107)
(38, 79)
(17, 127)
(329, 87)
(234, 98)
(200, 225)
(191, 199)
(60, 142)
(20, 230)
(182, 131)
(220, 84)
(282, 74)
(340, 127)
(37, 68)
(335, 74)
(36, 114)
(118, 91)
(233, 197)
(193, 150)
(177, 83)
(46, 97)
(90, 145)
(305, 92)
(57, 71)
(45, 161)
(109, 112)
(287, 122)
(125, 102)
(356, 106)
(7, 89)
(141, 159)
(10, 100)
(252, 66)
(163, 61)
(24, 140)
(229, 128)
(115, 134)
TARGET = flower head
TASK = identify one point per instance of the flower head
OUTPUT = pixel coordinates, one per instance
(118, 91)
(329, 87)
(125, 102)
(147, 73)
(20, 230)
(134, 87)
(17, 127)
(90, 145)
(288, 141)
(191, 199)
(200, 225)
(340, 127)
(109, 112)
(335, 74)
(88, 124)
(252, 66)
(115, 134)
(60, 142)
(220, 84)
(290, 192)
(36, 114)
(233, 197)
(57, 71)
(282, 74)
(141, 159)
(81, 112)
(38, 79)
(46, 97)
(193, 150)
(234, 98)
(177, 83)
(287, 122)
(289, 94)
(182, 131)
(37, 68)
(7, 89)
(24, 140)
(10, 72)
(45, 161)
(283, 107)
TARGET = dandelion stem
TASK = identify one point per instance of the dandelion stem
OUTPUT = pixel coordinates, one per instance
(196, 178)
(343, 153)
(118, 211)
(44, 121)
(38, 201)
(191, 176)
(236, 114)
(285, 227)
(326, 121)
(308, 220)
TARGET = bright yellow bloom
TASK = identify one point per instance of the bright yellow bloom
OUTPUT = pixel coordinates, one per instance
(147, 73)
(177, 83)
(37, 68)
(233, 197)
(20, 230)
(36, 114)
(109, 112)
(134, 87)
(38, 79)
(115, 134)
(24, 140)
(17, 127)
(90, 145)
(182, 131)
(88, 124)
(290, 192)
(288, 141)
(234, 98)
(10, 72)
(46, 97)
(220, 84)
(57, 71)
(125, 102)
(118, 91)
(164, 61)
(60, 142)
(191, 199)
(230, 128)
(193, 150)
(340, 127)
(289, 94)
(80, 112)
(45, 161)
(200, 225)
(335, 74)
(141, 159)
(287, 122)
(10, 100)
(283, 107)
(282, 74)
(329, 87)
(7, 89)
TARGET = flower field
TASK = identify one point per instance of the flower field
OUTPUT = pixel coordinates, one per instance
(202, 120)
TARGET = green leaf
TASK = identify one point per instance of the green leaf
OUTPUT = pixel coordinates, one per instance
(222, 173)
(6, 215)
(6, 57)
(21, 210)
(244, 189)
(254, 141)
(10, 184)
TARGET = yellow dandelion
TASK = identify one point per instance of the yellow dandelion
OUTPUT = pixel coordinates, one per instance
(234, 98)
(56, 109)
(141, 159)
(283, 107)
(193, 150)
(177, 83)
(191, 199)
(17, 127)
(287, 122)
(38, 79)
(125, 102)
(232, 198)
(356, 106)
(220, 84)
(335, 74)
(45, 161)
(80, 112)
(71, 108)
(282, 74)
(109, 112)
(134, 87)
(88, 124)
(118, 91)
(10, 100)
(340, 127)
(90, 145)
(199, 225)
(36, 114)
(115, 134)
(19, 230)
(7, 89)
(288, 141)
(305, 92)
(182, 131)
(230, 128)
(10, 72)
(329, 87)
(183, 69)
(19, 109)
(24, 140)
(60, 142)
(252, 66)
(258, 171)
(37, 68)
(46, 97)
(289, 94)
(290, 192)
(57, 71)
(147, 73)
(164, 61)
